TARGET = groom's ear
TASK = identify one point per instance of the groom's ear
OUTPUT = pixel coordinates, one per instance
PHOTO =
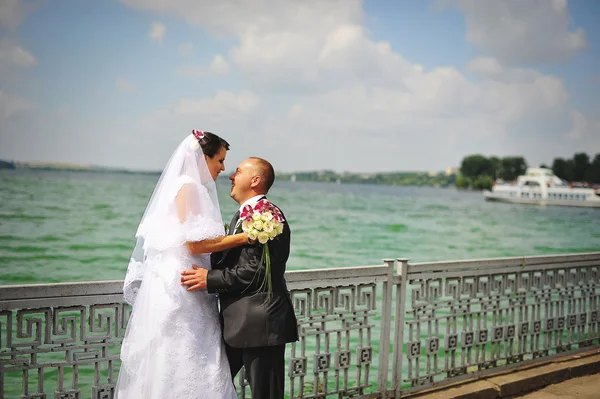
(256, 181)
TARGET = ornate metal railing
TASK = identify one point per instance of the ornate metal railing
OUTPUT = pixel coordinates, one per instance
(468, 318)
(372, 331)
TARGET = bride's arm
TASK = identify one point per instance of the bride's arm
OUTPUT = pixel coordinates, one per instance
(217, 244)
(210, 244)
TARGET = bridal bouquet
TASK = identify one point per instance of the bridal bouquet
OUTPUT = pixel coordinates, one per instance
(263, 222)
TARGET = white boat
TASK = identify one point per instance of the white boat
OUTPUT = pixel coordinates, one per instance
(539, 186)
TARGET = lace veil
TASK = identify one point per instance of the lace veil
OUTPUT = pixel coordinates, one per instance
(184, 207)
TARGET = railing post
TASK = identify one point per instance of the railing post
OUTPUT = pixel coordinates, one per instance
(386, 325)
(399, 325)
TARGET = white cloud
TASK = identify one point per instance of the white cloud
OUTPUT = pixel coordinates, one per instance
(11, 104)
(435, 103)
(218, 66)
(11, 55)
(63, 113)
(535, 103)
(492, 69)
(186, 49)
(522, 31)
(13, 12)
(487, 66)
(239, 117)
(124, 85)
(585, 128)
(335, 96)
(580, 125)
(233, 17)
(157, 32)
(223, 105)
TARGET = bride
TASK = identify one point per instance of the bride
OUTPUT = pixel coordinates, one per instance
(173, 345)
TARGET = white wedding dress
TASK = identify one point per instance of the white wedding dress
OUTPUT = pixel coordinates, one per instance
(173, 346)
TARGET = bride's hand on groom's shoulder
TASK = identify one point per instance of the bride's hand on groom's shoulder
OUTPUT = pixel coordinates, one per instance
(194, 279)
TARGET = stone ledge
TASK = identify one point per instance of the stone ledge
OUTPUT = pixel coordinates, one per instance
(521, 380)
(584, 366)
(529, 380)
(473, 390)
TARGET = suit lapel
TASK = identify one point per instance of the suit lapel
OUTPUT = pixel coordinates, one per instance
(233, 222)
(230, 232)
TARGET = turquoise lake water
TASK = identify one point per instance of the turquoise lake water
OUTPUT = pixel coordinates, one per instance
(80, 226)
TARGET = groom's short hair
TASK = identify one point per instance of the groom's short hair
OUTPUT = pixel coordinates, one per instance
(265, 171)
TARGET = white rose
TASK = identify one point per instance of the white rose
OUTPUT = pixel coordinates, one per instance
(246, 226)
(273, 234)
(263, 237)
(256, 216)
(267, 216)
(268, 226)
(258, 224)
(279, 228)
(194, 144)
(252, 235)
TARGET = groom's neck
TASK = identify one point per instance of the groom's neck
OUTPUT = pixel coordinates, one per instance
(247, 197)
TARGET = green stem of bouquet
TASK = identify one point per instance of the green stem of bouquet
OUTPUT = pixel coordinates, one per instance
(266, 257)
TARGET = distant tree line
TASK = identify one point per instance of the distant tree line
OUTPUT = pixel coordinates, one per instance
(479, 172)
(6, 164)
(578, 169)
(440, 179)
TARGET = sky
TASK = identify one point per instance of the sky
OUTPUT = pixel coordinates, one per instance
(346, 85)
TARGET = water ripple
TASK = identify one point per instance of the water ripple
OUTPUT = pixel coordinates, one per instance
(62, 226)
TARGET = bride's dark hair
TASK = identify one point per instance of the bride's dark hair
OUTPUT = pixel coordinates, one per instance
(211, 144)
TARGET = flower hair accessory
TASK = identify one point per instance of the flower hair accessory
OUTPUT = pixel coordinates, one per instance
(197, 136)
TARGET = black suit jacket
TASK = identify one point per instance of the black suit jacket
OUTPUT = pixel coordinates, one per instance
(250, 318)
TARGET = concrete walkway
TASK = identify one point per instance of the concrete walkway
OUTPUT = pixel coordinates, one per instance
(587, 387)
(574, 376)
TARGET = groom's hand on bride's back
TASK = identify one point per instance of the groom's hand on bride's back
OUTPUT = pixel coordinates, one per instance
(194, 279)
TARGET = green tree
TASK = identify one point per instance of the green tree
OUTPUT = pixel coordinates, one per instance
(483, 183)
(496, 167)
(559, 166)
(475, 166)
(462, 182)
(592, 174)
(513, 167)
(581, 163)
(569, 170)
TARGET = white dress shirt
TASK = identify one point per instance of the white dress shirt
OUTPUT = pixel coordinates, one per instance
(250, 201)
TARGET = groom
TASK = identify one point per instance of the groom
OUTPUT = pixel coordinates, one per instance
(255, 327)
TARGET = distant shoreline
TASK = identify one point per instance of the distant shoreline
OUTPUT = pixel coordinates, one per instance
(70, 167)
(431, 179)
